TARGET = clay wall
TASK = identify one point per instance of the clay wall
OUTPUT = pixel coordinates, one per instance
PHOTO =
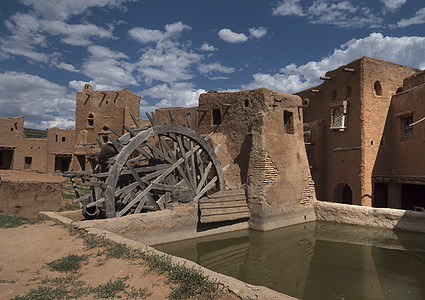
(61, 144)
(380, 81)
(261, 139)
(27, 199)
(180, 115)
(96, 110)
(19, 152)
(405, 154)
(335, 151)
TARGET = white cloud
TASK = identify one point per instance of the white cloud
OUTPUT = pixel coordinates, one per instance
(332, 12)
(232, 37)
(29, 36)
(207, 47)
(393, 4)
(145, 35)
(173, 95)
(288, 7)
(258, 32)
(109, 68)
(215, 67)
(292, 78)
(419, 18)
(63, 9)
(41, 102)
(67, 67)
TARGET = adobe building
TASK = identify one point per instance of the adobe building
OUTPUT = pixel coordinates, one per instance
(94, 113)
(62, 150)
(344, 126)
(259, 137)
(399, 174)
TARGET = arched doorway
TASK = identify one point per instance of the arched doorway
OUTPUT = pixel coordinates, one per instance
(343, 194)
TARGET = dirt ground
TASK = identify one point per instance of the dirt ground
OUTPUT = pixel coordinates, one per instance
(26, 251)
(16, 175)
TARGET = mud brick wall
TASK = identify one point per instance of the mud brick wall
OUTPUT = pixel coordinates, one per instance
(27, 199)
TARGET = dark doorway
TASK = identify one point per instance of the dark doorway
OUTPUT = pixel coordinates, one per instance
(413, 196)
(347, 195)
(380, 195)
(343, 194)
(82, 162)
(6, 158)
(62, 163)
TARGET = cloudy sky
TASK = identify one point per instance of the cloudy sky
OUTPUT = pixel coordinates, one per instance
(170, 51)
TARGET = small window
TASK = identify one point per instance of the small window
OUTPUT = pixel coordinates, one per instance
(90, 120)
(337, 118)
(11, 129)
(28, 162)
(216, 116)
(348, 91)
(406, 129)
(378, 88)
(63, 139)
(288, 121)
(246, 103)
(334, 95)
(56, 137)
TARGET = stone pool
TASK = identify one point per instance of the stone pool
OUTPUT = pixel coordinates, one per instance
(317, 260)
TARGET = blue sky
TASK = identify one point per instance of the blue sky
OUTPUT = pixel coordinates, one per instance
(171, 51)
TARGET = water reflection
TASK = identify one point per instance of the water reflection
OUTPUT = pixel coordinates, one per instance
(317, 260)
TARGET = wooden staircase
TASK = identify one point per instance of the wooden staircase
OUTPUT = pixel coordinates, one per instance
(222, 206)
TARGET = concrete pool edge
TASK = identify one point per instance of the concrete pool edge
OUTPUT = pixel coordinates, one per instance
(389, 218)
(239, 288)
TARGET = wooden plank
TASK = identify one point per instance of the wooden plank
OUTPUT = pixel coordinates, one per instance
(101, 200)
(168, 188)
(222, 199)
(206, 188)
(204, 177)
(224, 211)
(223, 204)
(229, 217)
(136, 122)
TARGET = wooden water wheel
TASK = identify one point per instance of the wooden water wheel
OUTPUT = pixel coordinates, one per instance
(148, 168)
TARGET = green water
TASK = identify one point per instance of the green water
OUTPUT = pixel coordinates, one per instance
(317, 260)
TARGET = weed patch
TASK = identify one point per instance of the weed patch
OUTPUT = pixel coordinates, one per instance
(8, 221)
(70, 263)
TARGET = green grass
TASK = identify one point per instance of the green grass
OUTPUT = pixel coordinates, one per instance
(70, 263)
(8, 221)
(186, 283)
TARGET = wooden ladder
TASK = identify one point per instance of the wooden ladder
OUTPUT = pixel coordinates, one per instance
(224, 206)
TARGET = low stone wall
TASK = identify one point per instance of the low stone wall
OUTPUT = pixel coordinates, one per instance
(164, 226)
(27, 199)
(369, 216)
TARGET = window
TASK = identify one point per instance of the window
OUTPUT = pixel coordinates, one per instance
(216, 116)
(90, 120)
(339, 112)
(246, 103)
(406, 129)
(63, 139)
(378, 88)
(28, 162)
(288, 121)
(337, 118)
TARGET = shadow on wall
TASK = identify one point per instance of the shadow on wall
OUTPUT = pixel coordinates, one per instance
(242, 160)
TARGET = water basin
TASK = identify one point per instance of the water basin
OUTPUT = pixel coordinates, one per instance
(317, 260)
